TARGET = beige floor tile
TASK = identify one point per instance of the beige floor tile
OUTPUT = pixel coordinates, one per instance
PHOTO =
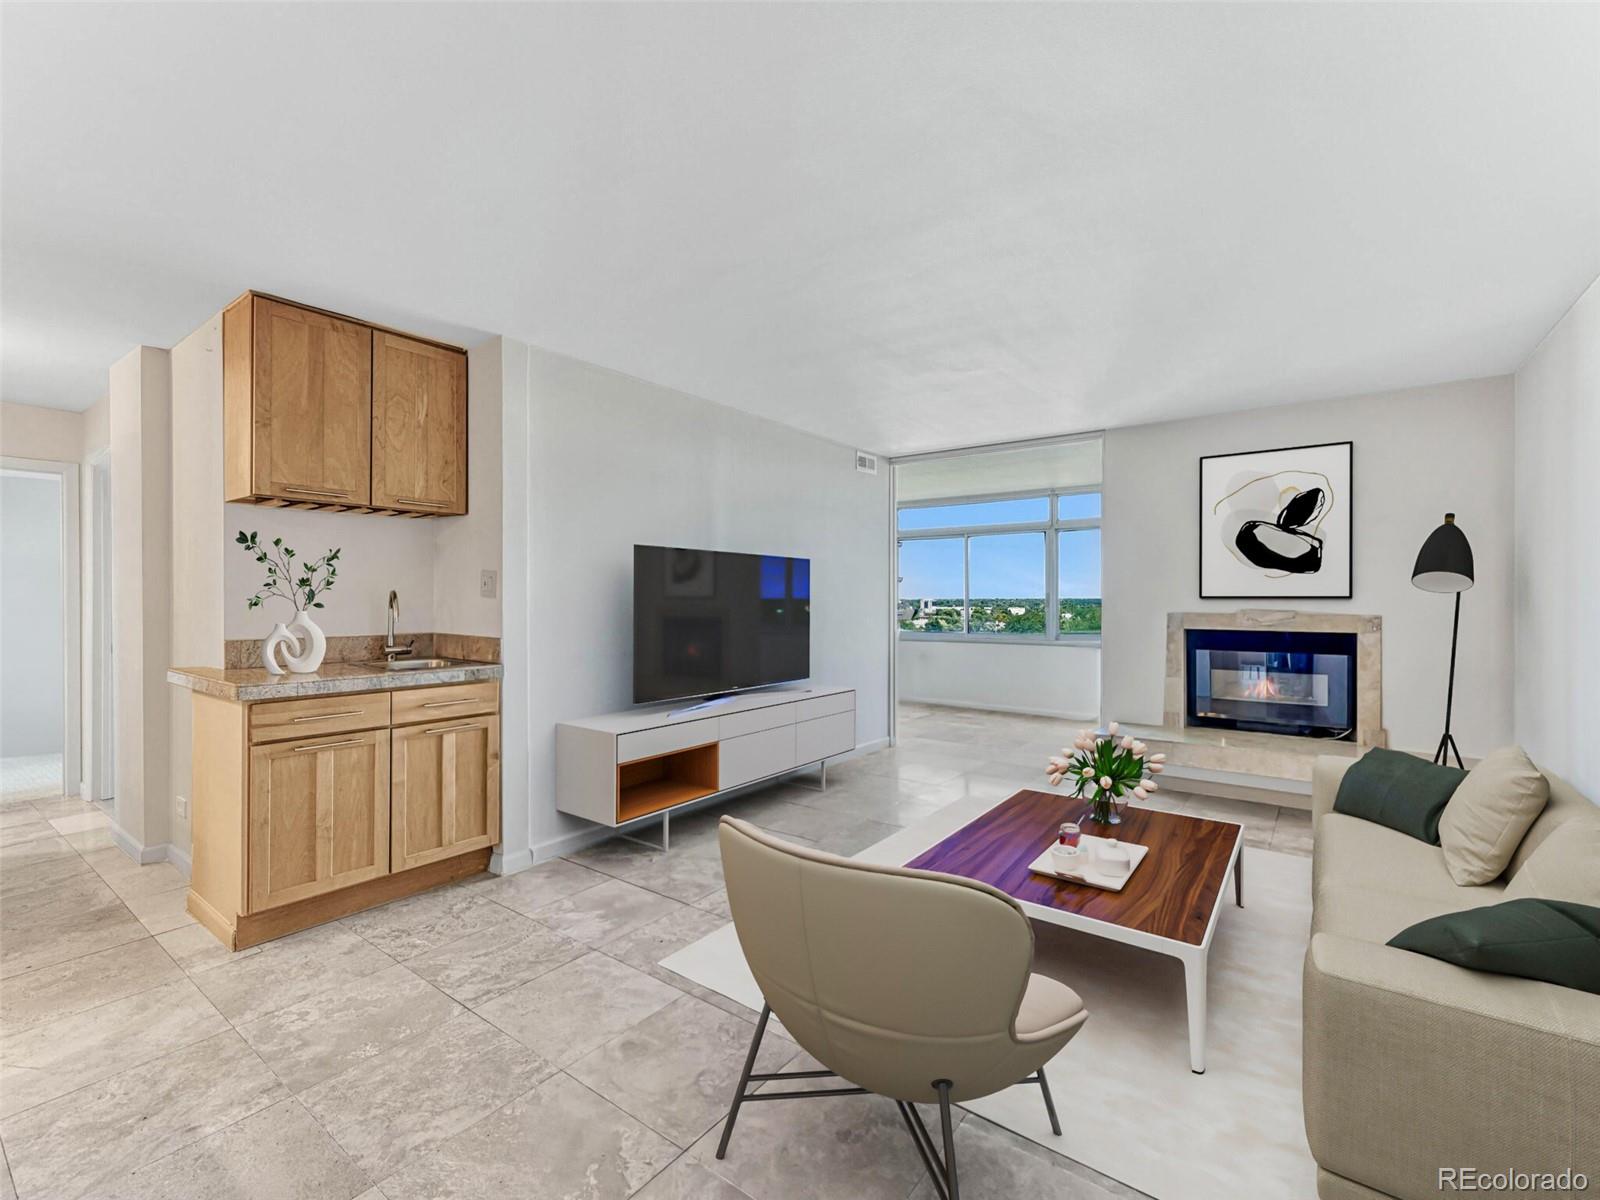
(565, 1013)
(329, 1032)
(688, 1179)
(280, 1151)
(1292, 833)
(161, 911)
(83, 983)
(676, 1070)
(406, 928)
(601, 913)
(558, 1140)
(79, 1144)
(423, 1091)
(80, 822)
(60, 1056)
(645, 947)
(995, 1164)
(55, 886)
(289, 970)
(539, 885)
(195, 948)
(26, 831)
(474, 969)
(684, 874)
(853, 1146)
(63, 933)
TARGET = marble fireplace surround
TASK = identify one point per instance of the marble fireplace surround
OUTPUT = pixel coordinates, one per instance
(1369, 662)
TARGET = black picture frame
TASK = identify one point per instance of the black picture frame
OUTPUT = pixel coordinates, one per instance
(1205, 543)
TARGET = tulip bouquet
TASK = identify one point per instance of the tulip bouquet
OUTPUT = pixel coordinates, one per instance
(1107, 771)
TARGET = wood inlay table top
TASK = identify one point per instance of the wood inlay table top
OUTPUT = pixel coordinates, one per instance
(1172, 894)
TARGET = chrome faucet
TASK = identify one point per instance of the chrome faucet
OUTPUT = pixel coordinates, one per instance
(391, 649)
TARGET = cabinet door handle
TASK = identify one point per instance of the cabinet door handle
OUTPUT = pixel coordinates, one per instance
(291, 487)
(354, 712)
(449, 703)
(423, 503)
(453, 728)
(329, 746)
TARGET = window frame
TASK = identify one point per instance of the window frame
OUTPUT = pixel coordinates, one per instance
(1051, 527)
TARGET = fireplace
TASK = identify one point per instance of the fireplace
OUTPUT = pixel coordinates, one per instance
(1272, 681)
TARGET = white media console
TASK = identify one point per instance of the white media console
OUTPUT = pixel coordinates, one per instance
(624, 767)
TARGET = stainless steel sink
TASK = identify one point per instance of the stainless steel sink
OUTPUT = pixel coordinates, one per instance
(418, 664)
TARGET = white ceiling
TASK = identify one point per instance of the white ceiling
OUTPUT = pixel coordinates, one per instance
(903, 227)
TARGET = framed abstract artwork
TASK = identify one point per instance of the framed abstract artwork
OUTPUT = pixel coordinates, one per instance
(1276, 524)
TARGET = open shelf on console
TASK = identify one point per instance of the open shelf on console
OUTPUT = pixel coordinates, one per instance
(649, 785)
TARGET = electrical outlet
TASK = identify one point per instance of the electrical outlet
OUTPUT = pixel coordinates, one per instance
(183, 807)
(486, 584)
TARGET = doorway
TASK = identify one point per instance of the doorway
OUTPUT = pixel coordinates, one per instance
(39, 649)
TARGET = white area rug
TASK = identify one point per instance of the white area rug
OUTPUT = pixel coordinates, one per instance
(1129, 1105)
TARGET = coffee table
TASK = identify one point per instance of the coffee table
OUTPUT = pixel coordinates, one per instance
(1169, 904)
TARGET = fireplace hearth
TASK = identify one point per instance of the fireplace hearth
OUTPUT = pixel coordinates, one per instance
(1294, 682)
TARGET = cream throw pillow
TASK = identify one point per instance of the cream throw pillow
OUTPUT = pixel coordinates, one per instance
(1566, 866)
(1484, 822)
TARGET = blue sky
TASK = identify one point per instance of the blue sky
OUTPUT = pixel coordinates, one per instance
(1004, 564)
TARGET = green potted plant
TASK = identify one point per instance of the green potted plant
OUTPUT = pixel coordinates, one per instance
(300, 643)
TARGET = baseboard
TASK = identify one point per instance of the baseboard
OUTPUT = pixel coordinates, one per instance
(1010, 709)
(134, 849)
(180, 859)
(503, 863)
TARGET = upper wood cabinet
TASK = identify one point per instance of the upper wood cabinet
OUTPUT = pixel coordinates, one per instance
(297, 402)
(419, 426)
(321, 410)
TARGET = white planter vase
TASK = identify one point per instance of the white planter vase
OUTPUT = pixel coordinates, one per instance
(298, 646)
(279, 641)
(311, 646)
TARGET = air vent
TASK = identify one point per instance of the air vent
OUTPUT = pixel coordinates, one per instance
(866, 463)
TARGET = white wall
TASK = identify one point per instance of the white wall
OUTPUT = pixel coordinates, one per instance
(141, 519)
(611, 461)
(379, 554)
(1557, 567)
(464, 547)
(1418, 454)
(1057, 681)
(32, 642)
(195, 631)
(49, 433)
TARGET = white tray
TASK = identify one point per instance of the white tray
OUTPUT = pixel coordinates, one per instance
(1111, 883)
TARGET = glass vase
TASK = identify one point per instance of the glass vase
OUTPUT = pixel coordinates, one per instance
(1103, 809)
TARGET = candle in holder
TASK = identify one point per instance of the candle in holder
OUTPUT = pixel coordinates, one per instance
(1070, 835)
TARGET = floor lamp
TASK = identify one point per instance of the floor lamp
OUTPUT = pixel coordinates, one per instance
(1444, 564)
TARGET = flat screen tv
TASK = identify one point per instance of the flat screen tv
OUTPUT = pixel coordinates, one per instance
(707, 622)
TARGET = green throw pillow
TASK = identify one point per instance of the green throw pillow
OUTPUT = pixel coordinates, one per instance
(1550, 940)
(1398, 790)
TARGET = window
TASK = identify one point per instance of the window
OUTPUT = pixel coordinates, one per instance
(1002, 567)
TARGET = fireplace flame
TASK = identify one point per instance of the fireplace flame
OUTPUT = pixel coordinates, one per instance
(1263, 689)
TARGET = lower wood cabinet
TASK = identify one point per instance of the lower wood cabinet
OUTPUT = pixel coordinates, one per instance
(446, 790)
(299, 818)
(319, 816)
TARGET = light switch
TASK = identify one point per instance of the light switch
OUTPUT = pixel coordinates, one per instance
(486, 585)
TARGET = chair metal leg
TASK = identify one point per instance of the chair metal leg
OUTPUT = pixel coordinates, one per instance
(744, 1082)
(924, 1144)
(1049, 1103)
(953, 1189)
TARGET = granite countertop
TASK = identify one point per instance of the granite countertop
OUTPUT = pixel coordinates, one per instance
(332, 679)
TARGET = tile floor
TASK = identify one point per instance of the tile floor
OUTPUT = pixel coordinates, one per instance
(499, 1037)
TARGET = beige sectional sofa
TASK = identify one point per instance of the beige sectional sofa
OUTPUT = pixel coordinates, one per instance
(1411, 1064)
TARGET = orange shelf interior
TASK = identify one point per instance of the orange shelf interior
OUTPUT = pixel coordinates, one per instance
(651, 785)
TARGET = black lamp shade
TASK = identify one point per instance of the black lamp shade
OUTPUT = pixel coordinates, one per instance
(1444, 564)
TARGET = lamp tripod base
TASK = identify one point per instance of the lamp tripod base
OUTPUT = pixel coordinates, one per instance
(1447, 746)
